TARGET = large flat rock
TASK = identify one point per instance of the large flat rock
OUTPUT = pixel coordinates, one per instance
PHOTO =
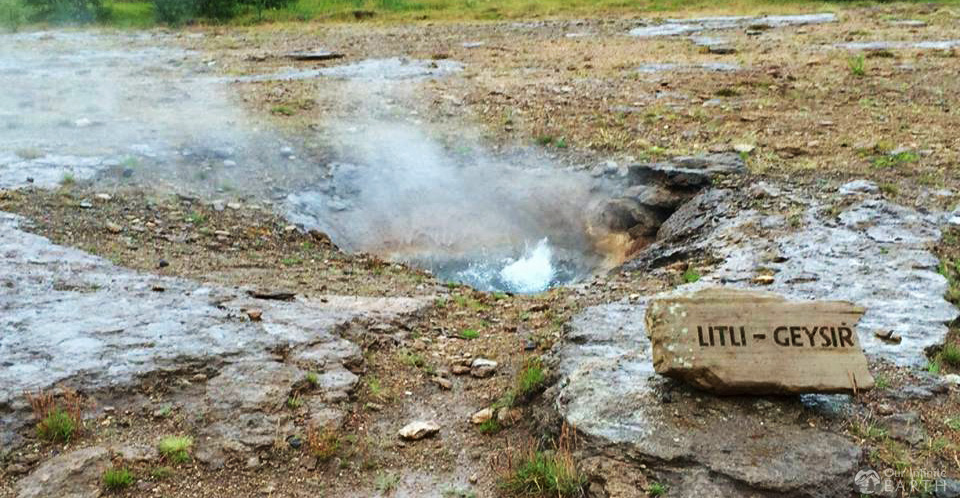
(874, 254)
(69, 317)
(610, 393)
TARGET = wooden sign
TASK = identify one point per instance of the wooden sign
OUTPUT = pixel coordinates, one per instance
(737, 342)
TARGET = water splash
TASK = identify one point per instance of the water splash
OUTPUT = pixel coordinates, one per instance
(533, 272)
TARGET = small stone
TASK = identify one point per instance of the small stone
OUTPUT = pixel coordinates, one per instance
(459, 369)
(905, 427)
(268, 489)
(763, 189)
(113, 227)
(884, 409)
(858, 187)
(255, 315)
(295, 442)
(162, 263)
(86, 204)
(443, 383)
(888, 336)
(17, 469)
(229, 163)
(763, 279)
(234, 205)
(721, 49)
(744, 148)
(481, 416)
(103, 197)
(952, 379)
(473, 478)
(419, 430)
(508, 416)
(482, 367)
(253, 462)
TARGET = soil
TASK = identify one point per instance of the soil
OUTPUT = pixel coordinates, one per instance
(811, 120)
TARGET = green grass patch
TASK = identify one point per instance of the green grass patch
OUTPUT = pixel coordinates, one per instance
(857, 65)
(161, 473)
(469, 334)
(691, 275)
(953, 423)
(880, 381)
(545, 474)
(530, 378)
(116, 479)
(491, 426)
(57, 426)
(411, 359)
(657, 489)
(175, 449)
(196, 218)
(131, 14)
(895, 160)
(950, 355)
(386, 482)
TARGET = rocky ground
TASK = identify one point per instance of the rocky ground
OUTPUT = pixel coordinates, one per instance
(175, 303)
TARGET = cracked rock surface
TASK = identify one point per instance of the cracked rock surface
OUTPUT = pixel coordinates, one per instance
(720, 445)
(69, 317)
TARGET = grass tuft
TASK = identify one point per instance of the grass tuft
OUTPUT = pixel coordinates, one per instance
(857, 65)
(691, 275)
(322, 443)
(385, 482)
(117, 479)
(657, 489)
(175, 449)
(547, 474)
(950, 355)
(57, 426)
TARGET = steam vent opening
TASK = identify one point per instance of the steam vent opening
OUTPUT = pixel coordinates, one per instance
(510, 222)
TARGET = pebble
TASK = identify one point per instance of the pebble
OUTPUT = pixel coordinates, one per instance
(86, 204)
(858, 187)
(481, 416)
(952, 379)
(419, 430)
(113, 227)
(443, 383)
(482, 367)
(255, 315)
